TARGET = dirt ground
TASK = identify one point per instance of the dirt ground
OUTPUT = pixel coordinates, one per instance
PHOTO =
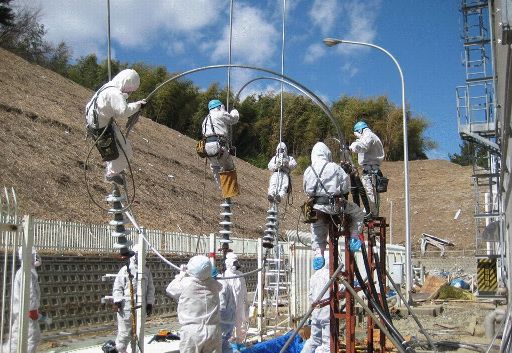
(44, 151)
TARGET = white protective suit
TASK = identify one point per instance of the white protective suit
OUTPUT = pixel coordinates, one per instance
(239, 288)
(227, 315)
(281, 165)
(121, 294)
(198, 307)
(34, 332)
(370, 155)
(331, 181)
(320, 338)
(214, 125)
(110, 102)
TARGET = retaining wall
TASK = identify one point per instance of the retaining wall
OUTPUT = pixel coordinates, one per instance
(71, 288)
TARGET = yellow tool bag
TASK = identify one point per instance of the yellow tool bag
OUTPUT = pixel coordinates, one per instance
(308, 212)
(229, 184)
(200, 148)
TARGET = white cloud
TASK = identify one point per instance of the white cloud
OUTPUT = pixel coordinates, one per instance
(360, 18)
(134, 23)
(349, 70)
(323, 14)
(314, 52)
(254, 39)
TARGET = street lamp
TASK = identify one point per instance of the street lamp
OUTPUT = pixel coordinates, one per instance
(408, 271)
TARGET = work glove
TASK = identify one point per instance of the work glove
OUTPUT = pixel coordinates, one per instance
(33, 314)
(142, 103)
(117, 307)
(215, 272)
(183, 268)
(318, 262)
(149, 309)
(354, 243)
(234, 113)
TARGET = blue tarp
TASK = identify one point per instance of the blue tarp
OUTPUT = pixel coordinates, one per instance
(276, 344)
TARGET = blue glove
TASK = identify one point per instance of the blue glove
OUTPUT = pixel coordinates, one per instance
(215, 273)
(354, 244)
(318, 262)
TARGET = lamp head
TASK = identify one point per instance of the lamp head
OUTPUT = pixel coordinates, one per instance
(332, 42)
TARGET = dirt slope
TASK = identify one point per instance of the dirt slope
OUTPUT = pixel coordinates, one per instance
(43, 151)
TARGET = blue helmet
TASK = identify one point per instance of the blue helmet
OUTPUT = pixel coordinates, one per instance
(359, 126)
(214, 104)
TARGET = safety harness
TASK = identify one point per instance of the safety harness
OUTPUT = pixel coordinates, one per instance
(104, 138)
(223, 142)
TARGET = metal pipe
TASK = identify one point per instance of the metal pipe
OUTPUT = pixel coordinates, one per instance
(378, 322)
(230, 128)
(291, 81)
(141, 290)
(108, 42)
(408, 262)
(376, 305)
(282, 73)
(414, 316)
(311, 308)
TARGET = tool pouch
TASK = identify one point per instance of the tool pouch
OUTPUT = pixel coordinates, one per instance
(200, 148)
(105, 141)
(308, 212)
(381, 183)
(229, 183)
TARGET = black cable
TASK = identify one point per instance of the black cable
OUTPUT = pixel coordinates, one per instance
(376, 306)
(372, 283)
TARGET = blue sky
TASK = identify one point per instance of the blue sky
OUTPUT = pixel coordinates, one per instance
(424, 36)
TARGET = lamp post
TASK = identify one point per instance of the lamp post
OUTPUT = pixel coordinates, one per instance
(408, 271)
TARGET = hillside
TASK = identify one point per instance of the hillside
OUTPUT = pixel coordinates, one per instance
(43, 152)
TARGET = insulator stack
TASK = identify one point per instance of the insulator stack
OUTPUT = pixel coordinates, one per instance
(271, 230)
(118, 223)
(226, 224)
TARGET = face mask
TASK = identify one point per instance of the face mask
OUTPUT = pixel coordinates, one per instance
(236, 265)
(357, 134)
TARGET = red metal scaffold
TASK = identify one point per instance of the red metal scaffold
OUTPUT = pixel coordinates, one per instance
(372, 230)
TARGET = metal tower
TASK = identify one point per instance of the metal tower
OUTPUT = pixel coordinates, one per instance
(477, 124)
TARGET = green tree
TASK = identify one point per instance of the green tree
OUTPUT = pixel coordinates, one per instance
(6, 13)
(470, 153)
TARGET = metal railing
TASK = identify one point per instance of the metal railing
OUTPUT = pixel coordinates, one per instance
(62, 236)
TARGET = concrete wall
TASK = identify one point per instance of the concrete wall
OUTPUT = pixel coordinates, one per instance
(71, 288)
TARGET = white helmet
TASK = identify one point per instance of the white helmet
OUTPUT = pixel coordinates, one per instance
(200, 267)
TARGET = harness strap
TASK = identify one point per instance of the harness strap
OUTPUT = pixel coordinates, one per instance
(318, 180)
(94, 105)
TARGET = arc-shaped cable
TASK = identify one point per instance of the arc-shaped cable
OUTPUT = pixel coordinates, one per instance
(343, 151)
(286, 79)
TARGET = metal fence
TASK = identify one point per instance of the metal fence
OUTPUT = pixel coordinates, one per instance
(60, 236)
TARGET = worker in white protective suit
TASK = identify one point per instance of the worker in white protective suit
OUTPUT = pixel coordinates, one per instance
(329, 185)
(239, 288)
(215, 131)
(106, 106)
(34, 332)
(370, 155)
(197, 294)
(227, 315)
(320, 339)
(281, 165)
(122, 298)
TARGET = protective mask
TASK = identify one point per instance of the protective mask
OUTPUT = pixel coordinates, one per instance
(135, 259)
(36, 260)
(236, 265)
(357, 134)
